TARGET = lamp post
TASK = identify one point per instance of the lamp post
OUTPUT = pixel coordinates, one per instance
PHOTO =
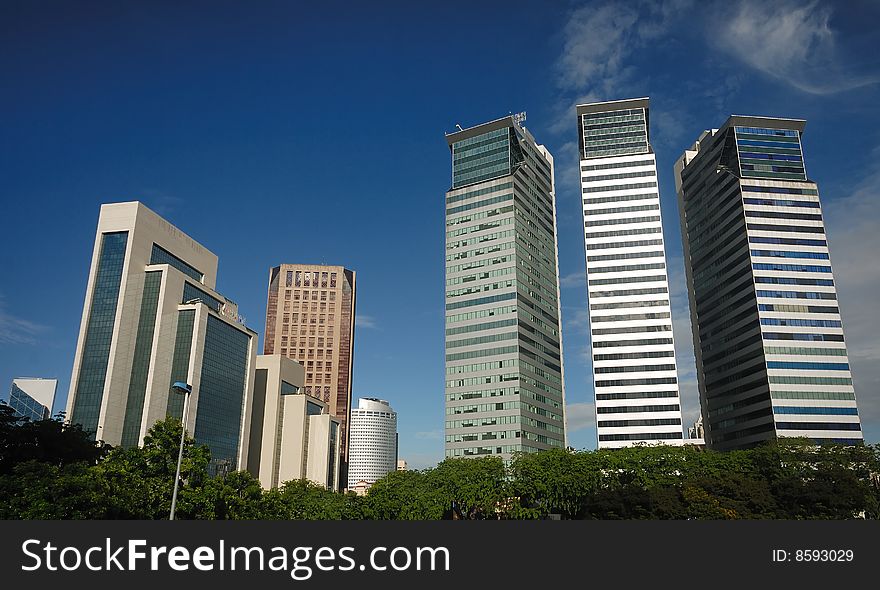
(185, 389)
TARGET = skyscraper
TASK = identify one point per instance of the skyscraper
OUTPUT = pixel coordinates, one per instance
(634, 368)
(504, 372)
(310, 319)
(151, 318)
(33, 397)
(770, 351)
(373, 449)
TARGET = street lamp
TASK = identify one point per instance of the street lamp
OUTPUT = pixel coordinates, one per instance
(184, 389)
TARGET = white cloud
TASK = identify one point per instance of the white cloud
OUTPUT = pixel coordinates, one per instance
(365, 321)
(789, 40)
(430, 435)
(854, 242)
(15, 330)
(580, 416)
(575, 279)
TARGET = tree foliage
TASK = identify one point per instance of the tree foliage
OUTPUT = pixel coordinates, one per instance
(50, 470)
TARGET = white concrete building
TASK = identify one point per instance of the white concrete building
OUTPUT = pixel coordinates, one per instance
(293, 435)
(151, 318)
(633, 352)
(373, 443)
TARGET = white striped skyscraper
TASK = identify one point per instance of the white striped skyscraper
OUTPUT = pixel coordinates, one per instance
(768, 338)
(634, 369)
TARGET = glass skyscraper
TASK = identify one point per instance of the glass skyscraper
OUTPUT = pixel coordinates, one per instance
(768, 337)
(504, 373)
(32, 397)
(633, 352)
(151, 318)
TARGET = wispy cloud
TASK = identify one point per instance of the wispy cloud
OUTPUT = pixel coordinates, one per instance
(599, 40)
(16, 330)
(575, 279)
(430, 435)
(161, 202)
(599, 44)
(365, 321)
(580, 416)
(854, 242)
(789, 40)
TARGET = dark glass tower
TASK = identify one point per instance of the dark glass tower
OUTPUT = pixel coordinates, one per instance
(768, 337)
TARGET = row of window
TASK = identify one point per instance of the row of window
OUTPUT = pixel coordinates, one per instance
(623, 221)
(590, 168)
(804, 337)
(647, 354)
(481, 340)
(630, 330)
(790, 267)
(797, 350)
(808, 366)
(619, 187)
(630, 317)
(478, 204)
(619, 176)
(628, 292)
(636, 395)
(817, 411)
(818, 426)
(801, 323)
(801, 229)
(799, 308)
(644, 436)
(642, 342)
(781, 203)
(796, 295)
(790, 254)
(786, 241)
(779, 190)
(624, 280)
(644, 422)
(627, 268)
(629, 304)
(619, 198)
(637, 231)
(630, 209)
(478, 193)
(626, 256)
(630, 382)
(795, 281)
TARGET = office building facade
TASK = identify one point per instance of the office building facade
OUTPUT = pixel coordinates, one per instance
(504, 370)
(373, 446)
(33, 397)
(310, 318)
(633, 351)
(293, 436)
(768, 337)
(151, 318)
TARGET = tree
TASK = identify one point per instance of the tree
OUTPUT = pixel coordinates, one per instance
(140, 480)
(48, 441)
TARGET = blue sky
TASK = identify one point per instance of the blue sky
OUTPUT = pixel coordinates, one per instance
(242, 123)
